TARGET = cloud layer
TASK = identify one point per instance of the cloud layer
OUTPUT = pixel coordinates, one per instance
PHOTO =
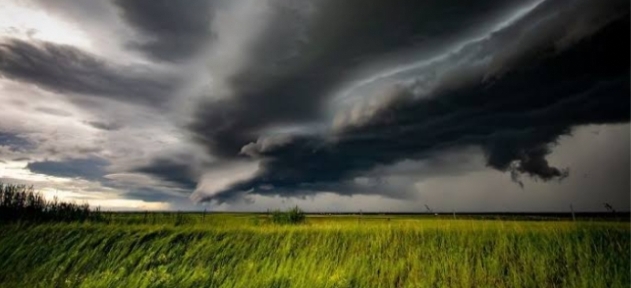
(169, 31)
(512, 92)
(224, 101)
(65, 69)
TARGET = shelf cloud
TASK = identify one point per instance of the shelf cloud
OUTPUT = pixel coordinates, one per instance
(226, 102)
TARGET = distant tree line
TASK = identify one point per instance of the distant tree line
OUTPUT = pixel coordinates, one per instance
(20, 203)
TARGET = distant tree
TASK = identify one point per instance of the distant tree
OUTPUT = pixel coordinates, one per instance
(292, 216)
(20, 203)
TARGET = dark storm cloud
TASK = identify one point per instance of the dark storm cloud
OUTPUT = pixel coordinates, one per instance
(547, 74)
(63, 68)
(178, 172)
(305, 52)
(173, 31)
(15, 142)
(85, 168)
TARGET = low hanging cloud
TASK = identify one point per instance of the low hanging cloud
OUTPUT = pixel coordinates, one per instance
(88, 168)
(539, 81)
(177, 171)
(66, 69)
(305, 50)
(170, 31)
(14, 142)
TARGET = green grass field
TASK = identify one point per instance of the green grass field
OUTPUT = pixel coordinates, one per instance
(245, 250)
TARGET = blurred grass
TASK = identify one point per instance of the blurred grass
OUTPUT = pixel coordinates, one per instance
(246, 250)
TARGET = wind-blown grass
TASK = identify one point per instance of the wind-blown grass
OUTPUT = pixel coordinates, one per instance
(231, 251)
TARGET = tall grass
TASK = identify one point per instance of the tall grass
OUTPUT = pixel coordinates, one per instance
(20, 203)
(251, 250)
(229, 251)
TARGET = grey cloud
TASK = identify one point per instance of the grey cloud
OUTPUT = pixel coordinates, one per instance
(87, 168)
(266, 144)
(53, 111)
(448, 162)
(153, 195)
(15, 142)
(92, 15)
(176, 171)
(173, 31)
(63, 68)
(514, 118)
(107, 126)
(551, 28)
(306, 51)
(509, 96)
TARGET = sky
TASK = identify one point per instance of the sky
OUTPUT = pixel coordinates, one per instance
(478, 106)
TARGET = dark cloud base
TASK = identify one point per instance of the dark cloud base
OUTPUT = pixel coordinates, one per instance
(298, 60)
(173, 31)
(514, 118)
(178, 172)
(67, 69)
(15, 142)
(88, 168)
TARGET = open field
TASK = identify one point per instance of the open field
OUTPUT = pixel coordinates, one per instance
(245, 250)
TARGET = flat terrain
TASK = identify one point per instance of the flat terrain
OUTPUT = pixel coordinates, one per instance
(246, 250)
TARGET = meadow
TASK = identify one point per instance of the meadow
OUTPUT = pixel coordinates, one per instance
(250, 250)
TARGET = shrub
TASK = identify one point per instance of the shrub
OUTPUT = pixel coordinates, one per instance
(291, 216)
(22, 203)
